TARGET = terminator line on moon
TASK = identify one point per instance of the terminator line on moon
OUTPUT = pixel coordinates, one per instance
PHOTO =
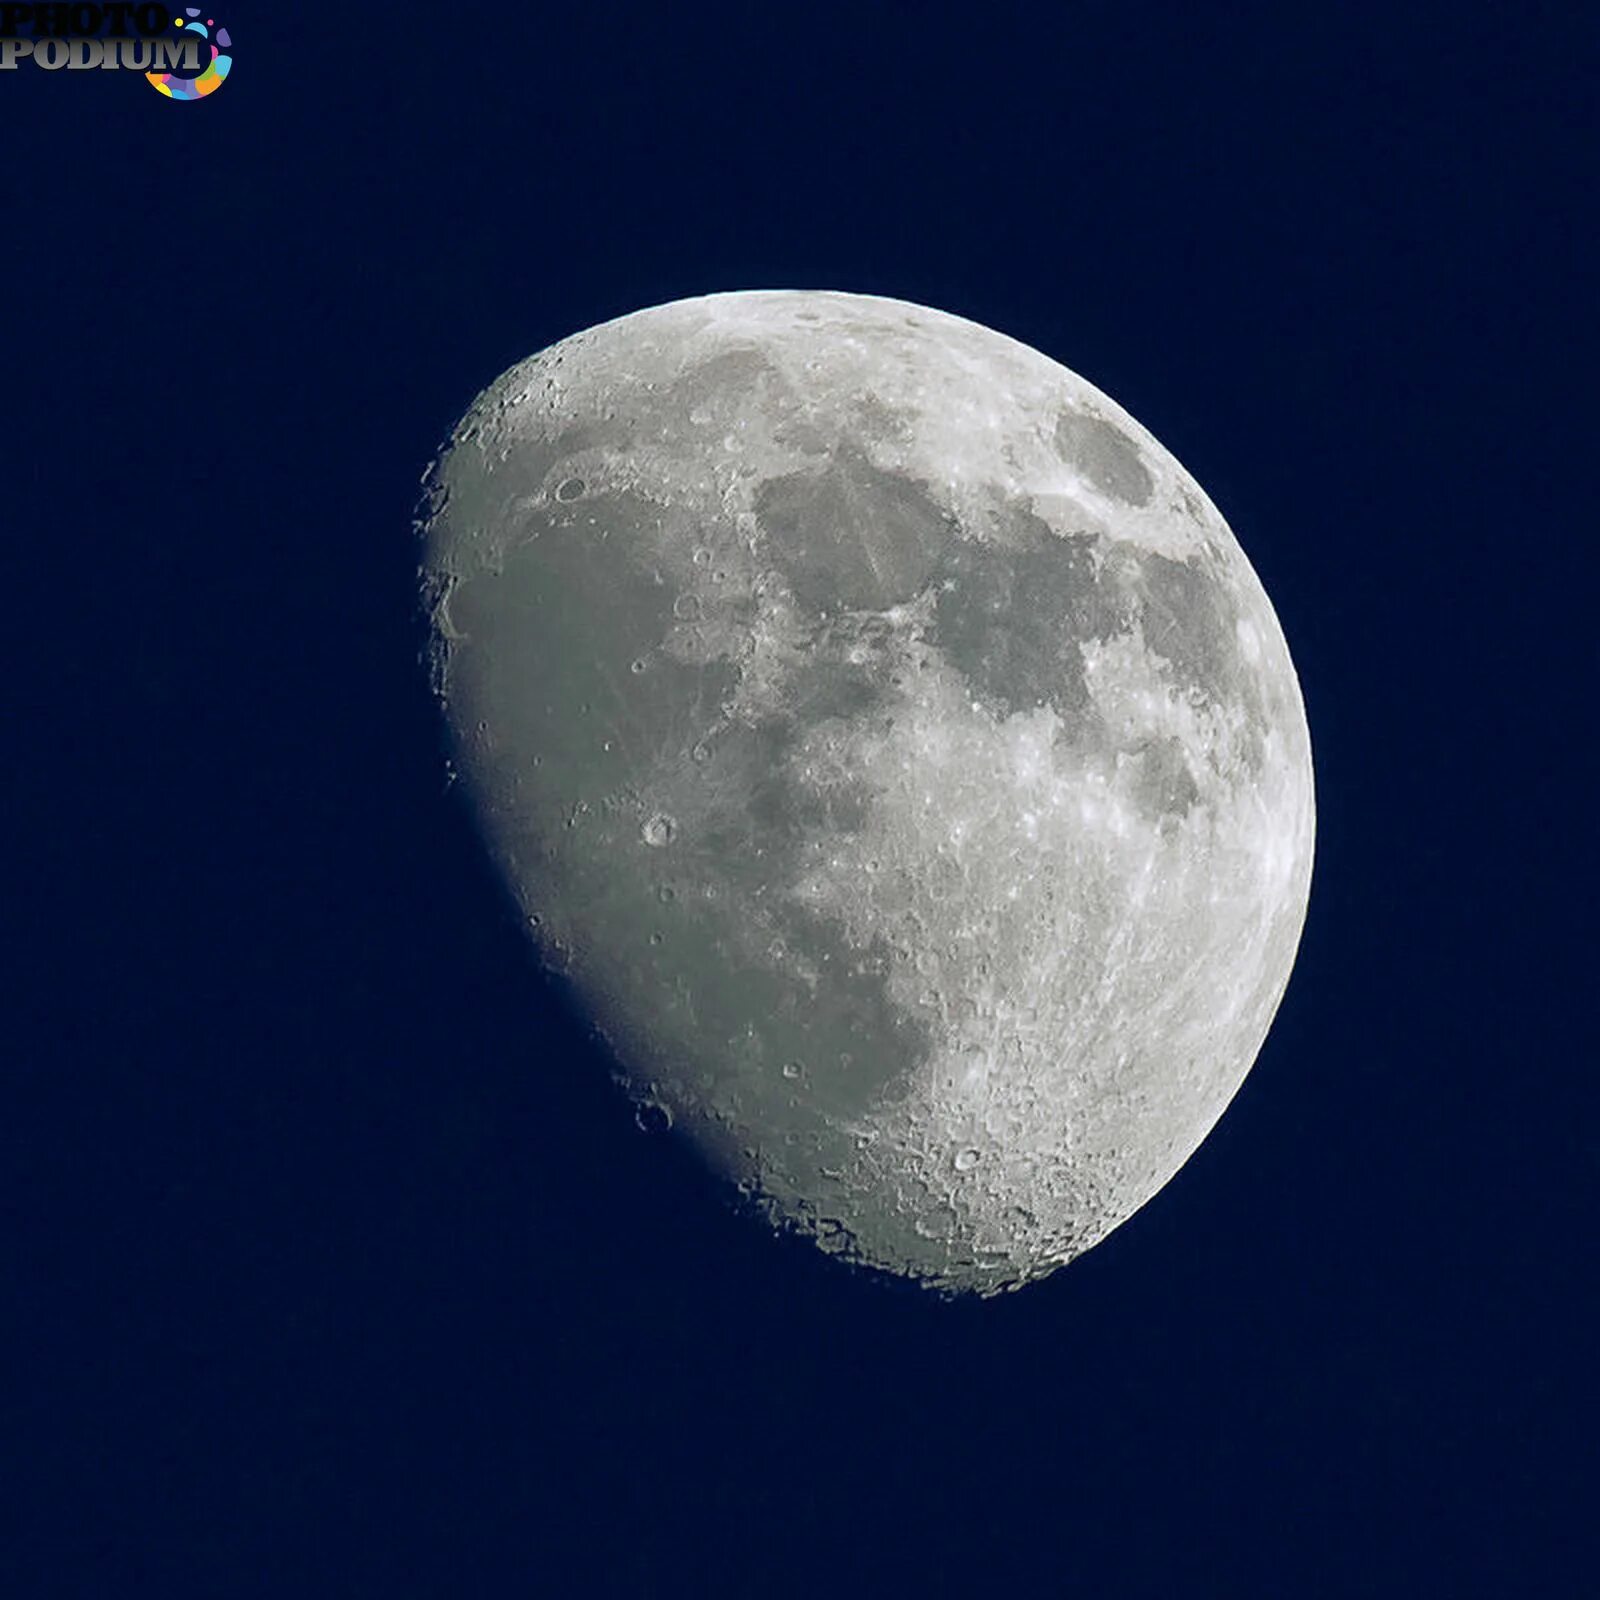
(892, 744)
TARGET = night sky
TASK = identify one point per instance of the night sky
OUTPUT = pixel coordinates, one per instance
(336, 1264)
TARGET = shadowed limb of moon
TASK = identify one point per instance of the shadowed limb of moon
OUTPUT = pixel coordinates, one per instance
(897, 753)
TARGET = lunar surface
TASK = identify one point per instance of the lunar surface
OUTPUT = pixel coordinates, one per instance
(892, 745)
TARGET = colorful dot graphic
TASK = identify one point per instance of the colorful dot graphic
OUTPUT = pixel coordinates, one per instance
(214, 74)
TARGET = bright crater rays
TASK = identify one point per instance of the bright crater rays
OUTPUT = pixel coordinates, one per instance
(897, 752)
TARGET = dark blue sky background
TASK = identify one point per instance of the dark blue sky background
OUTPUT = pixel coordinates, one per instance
(336, 1265)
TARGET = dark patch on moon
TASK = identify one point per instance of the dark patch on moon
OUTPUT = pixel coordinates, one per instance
(534, 665)
(1163, 785)
(1011, 621)
(833, 689)
(753, 805)
(853, 1043)
(879, 423)
(1105, 455)
(848, 534)
(1190, 620)
(738, 815)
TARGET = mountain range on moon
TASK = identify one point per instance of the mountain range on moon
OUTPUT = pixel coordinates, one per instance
(894, 748)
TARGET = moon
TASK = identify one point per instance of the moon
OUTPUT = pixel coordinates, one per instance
(890, 743)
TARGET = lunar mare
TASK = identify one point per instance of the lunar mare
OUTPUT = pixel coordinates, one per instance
(893, 746)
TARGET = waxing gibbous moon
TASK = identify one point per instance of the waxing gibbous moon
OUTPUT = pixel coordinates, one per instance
(894, 748)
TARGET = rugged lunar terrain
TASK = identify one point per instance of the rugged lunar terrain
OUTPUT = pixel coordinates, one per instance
(894, 746)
